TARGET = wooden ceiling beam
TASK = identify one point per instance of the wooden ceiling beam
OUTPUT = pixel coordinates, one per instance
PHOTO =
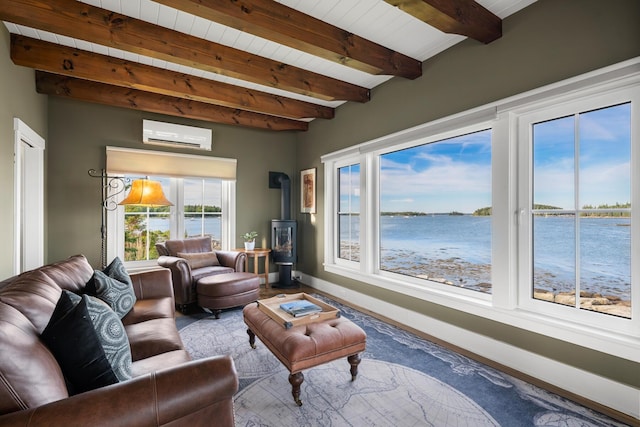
(82, 21)
(100, 93)
(71, 62)
(274, 21)
(464, 17)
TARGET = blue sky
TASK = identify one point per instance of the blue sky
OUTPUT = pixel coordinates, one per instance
(444, 176)
(604, 154)
(455, 174)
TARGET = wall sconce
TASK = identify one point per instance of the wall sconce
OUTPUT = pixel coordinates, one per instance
(144, 192)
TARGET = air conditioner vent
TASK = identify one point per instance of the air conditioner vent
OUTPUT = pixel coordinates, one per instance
(169, 134)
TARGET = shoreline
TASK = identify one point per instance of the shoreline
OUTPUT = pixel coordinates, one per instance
(454, 271)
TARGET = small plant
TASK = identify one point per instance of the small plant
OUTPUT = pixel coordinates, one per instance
(250, 236)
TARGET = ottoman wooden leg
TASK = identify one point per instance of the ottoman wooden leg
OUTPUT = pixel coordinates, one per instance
(296, 380)
(252, 338)
(354, 361)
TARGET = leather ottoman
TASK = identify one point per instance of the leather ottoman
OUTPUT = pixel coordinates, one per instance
(227, 290)
(305, 346)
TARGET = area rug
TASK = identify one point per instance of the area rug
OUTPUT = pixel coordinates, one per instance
(403, 380)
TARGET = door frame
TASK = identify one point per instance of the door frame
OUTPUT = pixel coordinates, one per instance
(28, 205)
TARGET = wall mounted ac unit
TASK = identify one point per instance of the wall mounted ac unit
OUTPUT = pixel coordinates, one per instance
(160, 133)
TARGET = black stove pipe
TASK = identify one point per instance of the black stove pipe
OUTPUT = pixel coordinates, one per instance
(281, 180)
(285, 200)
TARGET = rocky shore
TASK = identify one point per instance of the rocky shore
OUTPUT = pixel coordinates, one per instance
(609, 304)
(455, 271)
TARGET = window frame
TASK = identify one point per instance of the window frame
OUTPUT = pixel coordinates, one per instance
(115, 221)
(526, 119)
(338, 212)
(509, 243)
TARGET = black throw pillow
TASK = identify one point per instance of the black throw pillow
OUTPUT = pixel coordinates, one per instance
(73, 341)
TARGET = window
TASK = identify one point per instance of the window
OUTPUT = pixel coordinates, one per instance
(200, 214)
(202, 189)
(203, 209)
(349, 212)
(580, 208)
(435, 211)
(520, 211)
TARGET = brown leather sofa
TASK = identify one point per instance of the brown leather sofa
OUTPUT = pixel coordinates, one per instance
(166, 388)
(184, 276)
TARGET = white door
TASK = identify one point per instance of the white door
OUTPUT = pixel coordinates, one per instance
(29, 198)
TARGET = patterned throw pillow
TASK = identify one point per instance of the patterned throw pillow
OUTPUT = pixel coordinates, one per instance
(113, 286)
(88, 343)
(112, 336)
(199, 259)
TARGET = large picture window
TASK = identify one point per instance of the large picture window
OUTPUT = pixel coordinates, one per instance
(520, 211)
(435, 211)
(581, 210)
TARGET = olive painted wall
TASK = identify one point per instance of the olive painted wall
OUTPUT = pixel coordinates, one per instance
(18, 99)
(549, 41)
(78, 135)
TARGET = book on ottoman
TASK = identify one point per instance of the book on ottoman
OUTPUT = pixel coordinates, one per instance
(300, 308)
(273, 307)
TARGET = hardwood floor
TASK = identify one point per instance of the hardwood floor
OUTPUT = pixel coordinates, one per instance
(268, 293)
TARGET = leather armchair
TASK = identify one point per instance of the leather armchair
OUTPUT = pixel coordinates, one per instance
(185, 277)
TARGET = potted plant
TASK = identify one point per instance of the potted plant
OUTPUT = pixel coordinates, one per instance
(250, 240)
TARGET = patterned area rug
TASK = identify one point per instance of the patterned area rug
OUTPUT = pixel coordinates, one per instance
(402, 380)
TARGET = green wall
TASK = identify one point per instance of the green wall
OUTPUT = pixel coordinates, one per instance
(548, 41)
(78, 135)
(18, 99)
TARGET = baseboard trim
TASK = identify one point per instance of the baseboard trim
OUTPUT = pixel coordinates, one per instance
(619, 401)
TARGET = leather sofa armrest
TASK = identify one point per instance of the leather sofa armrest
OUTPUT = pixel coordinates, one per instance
(180, 276)
(194, 393)
(178, 266)
(152, 284)
(233, 259)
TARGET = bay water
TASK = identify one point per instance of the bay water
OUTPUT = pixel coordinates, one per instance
(417, 245)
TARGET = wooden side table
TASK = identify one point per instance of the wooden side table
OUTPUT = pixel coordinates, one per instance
(256, 254)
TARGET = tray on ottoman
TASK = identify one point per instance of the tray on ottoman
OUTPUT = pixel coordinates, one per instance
(271, 307)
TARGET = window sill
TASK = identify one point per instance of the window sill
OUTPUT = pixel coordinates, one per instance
(615, 344)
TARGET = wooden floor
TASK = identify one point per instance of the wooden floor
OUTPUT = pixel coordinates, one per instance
(271, 292)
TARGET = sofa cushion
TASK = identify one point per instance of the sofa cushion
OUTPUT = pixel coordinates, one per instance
(152, 337)
(113, 286)
(72, 338)
(200, 259)
(149, 309)
(35, 295)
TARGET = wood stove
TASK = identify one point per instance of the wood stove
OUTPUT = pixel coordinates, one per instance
(283, 232)
(283, 237)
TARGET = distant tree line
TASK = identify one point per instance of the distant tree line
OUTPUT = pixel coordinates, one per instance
(487, 211)
(135, 234)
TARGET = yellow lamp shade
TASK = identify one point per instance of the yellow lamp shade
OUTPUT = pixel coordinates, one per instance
(145, 192)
